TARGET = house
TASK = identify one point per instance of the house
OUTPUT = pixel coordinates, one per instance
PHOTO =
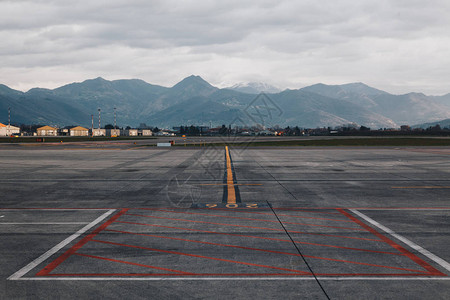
(47, 131)
(79, 131)
(145, 132)
(98, 132)
(8, 130)
(130, 132)
(113, 132)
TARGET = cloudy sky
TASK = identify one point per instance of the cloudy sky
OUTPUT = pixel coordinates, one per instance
(397, 45)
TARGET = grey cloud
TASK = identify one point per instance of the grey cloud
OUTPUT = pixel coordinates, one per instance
(265, 36)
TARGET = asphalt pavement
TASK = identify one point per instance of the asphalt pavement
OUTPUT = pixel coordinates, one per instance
(122, 221)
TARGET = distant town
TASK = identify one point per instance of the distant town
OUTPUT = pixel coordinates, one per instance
(194, 130)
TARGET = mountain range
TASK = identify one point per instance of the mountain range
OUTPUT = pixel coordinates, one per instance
(195, 101)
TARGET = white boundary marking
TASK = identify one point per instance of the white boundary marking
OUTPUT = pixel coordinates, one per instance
(416, 247)
(46, 255)
(42, 223)
(229, 278)
(18, 275)
(51, 209)
(399, 209)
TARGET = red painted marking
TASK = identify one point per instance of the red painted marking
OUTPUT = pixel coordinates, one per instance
(171, 274)
(251, 236)
(242, 218)
(242, 209)
(309, 233)
(365, 264)
(244, 226)
(287, 253)
(416, 259)
(263, 250)
(132, 263)
(222, 274)
(305, 210)
(200, 256)
(206, 243)
(50, 267)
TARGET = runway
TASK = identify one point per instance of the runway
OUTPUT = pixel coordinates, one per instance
(225, 222)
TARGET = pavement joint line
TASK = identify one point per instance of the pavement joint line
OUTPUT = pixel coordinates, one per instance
(299, 252)
(411, 244)
(17, 275)
(235, 278)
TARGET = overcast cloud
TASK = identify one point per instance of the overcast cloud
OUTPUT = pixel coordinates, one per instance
(399, 45)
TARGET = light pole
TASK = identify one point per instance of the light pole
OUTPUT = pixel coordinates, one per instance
(8, 132)
(99, 118)
(114, 120)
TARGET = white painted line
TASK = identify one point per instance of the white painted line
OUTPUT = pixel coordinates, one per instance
(349, 278)
(400, 209)
(416, 247)
(41, 223)
(46, 255)
(52, 209)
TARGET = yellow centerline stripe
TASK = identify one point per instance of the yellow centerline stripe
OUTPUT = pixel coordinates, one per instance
(231, 199)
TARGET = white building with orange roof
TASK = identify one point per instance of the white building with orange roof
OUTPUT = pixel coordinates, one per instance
(79, 131)
(47, 131)
(8, 130)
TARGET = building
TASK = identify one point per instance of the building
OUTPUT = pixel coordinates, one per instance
(8, 130)
(113, 132)
(47, 131)
(145, 132)
(79, 131)
(130, 132)
(98, 132)
(164, 133)
(405, 128)
(63, 132)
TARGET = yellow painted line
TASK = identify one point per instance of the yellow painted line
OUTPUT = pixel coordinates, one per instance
(421, 187)
(231, 199)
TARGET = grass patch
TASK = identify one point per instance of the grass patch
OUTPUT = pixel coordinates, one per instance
(66, 139)
(371, 142)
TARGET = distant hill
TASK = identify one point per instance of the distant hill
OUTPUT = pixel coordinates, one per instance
(410, 108)
(443, 123)
(444, 100)
(194, 101)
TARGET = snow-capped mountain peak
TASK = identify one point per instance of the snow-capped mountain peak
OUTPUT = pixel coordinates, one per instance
(254, 88)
